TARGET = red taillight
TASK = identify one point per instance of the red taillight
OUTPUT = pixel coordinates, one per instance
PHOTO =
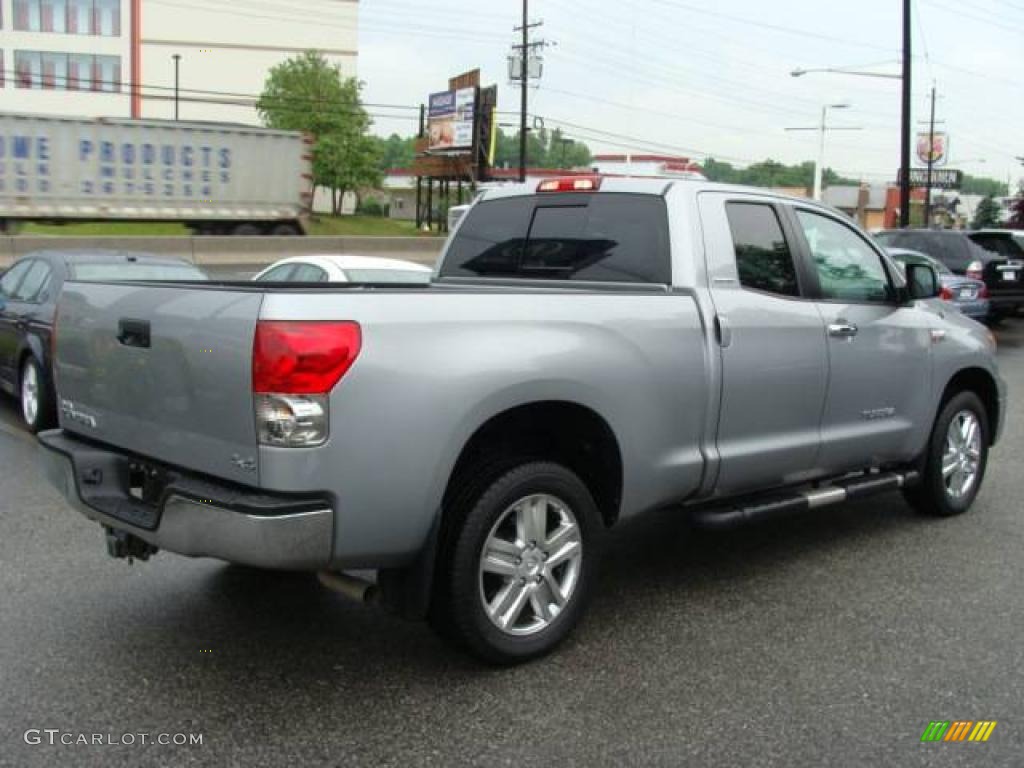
(571, 184)
(983, 292)
(303, 358)
(976, 270)
(945, 294)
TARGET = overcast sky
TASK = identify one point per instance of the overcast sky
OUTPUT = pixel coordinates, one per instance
(697, 78)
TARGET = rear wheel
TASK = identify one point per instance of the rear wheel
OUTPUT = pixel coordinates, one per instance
(37, 410)
(247, 230)
(956, 459)
(517, 570)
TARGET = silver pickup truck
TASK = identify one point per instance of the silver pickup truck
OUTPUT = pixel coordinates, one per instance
(589, 350)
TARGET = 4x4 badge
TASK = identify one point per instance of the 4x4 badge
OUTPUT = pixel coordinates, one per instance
(247, 465)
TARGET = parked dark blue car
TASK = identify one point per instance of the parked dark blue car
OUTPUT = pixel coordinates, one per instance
(28, 299)
(970, 296)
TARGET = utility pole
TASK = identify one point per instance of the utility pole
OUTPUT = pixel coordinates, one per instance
(177, 63)
(822, 129)
(525, 50)
(524, 91)
(931, 165)
(905, 137)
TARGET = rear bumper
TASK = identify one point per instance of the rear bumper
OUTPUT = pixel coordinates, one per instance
(193, 516)
(978, 309)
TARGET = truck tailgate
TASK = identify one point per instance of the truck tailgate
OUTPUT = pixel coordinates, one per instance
(164, 371)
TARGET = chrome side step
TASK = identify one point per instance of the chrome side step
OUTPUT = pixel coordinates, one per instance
(736, 514)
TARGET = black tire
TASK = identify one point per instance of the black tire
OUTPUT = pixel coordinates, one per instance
(458, 612)
(45, 412)
(931, 496)
(286, 230)
(247, 230)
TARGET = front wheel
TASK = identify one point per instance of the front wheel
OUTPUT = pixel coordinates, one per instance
(956, 459)
(519, 567)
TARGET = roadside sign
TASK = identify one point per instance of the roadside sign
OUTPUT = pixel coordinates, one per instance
(941, 178)
(939, 153)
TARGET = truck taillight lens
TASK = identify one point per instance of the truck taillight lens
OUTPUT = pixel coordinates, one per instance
(292, 421)
(295, 365)
(945, 294)
(303, 358)
(976, 270)
(983, 292)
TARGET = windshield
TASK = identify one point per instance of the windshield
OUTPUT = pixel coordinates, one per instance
(135, 271)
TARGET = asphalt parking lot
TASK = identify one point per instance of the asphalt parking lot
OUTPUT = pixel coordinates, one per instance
(829, 639)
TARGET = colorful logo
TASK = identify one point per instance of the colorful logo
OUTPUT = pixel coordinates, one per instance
(958, 730)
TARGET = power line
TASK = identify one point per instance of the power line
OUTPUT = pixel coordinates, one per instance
(289, 104)
(771, 27)
(470, 37)
(1000, 24)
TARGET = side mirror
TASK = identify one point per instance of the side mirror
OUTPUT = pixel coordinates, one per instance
(922, 282)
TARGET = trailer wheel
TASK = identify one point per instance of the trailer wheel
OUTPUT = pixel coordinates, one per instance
(247, 230)
(285, 230)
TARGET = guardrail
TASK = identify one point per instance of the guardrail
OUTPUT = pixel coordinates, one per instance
(232, 251)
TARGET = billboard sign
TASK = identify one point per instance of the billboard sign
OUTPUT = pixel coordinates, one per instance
(452, 120)
(944, 179)
(939, 152)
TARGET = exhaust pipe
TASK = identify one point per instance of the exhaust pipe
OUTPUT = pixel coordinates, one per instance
(360, 590)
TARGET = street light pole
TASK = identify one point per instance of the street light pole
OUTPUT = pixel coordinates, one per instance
(905, 77)
(905, 137)
(177, 63)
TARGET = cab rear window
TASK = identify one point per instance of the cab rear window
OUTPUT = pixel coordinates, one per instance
(607, 237)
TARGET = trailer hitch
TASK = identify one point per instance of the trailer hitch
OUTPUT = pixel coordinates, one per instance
(125, 546)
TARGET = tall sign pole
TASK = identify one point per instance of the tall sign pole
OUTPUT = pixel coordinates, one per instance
(907, 106)
(931, 165)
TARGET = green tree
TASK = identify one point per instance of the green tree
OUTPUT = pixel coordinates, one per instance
(346, 164)
(307, 93)
(396, 152)
(1017, 209)
(544, 149)
(987, 214)
(770, 173)
(980, 185)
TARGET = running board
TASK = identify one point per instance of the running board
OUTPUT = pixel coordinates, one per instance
(784, 504)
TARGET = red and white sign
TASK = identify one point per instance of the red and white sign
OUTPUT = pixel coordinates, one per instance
(939, 149)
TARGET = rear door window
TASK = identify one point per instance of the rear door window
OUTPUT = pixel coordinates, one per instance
(610, 237)
(763, 258)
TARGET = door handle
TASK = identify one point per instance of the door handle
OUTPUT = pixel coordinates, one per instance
(724, 331)
(843, 330)
(133, 333)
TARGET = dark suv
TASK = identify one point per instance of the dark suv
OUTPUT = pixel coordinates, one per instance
(980, 255)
